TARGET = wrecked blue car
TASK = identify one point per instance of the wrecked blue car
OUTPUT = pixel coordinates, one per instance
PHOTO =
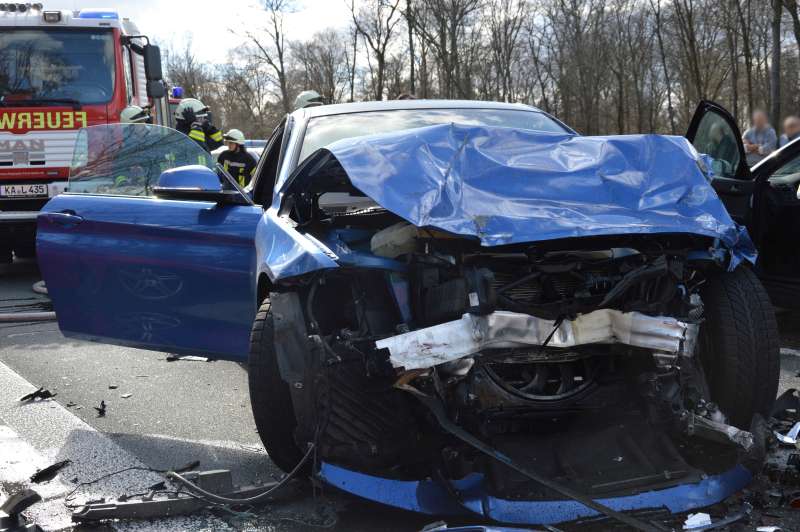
(458, 308)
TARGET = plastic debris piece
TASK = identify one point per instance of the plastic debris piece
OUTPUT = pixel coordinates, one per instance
(790, 438)
(126, 395)
(191, 358)
(768, 529)
(112, 386)
(101, 410)
(696, 520)
(41, 393)
(49, 472)
(788, 403)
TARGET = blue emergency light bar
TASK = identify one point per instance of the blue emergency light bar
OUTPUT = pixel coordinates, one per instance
(98, 14)
(176, 92)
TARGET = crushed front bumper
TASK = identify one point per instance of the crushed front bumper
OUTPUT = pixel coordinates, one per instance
(430, 497)
(424, 348)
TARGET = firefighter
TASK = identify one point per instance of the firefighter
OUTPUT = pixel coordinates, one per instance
(193, 119)
(236, 160)
(307, 99)
(133, 114)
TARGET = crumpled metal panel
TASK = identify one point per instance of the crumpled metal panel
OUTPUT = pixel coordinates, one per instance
(428, 347)
(507, 186)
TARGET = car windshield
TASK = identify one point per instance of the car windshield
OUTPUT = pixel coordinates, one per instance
(56, 66)
(127, 159)
(324, 130)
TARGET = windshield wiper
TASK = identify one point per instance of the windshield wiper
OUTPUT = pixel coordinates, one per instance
(40, 101)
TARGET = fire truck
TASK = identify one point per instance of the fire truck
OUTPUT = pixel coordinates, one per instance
(61, 71)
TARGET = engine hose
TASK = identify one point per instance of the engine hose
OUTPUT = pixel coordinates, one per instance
(40, 288)
(218, 499)
(16, 317)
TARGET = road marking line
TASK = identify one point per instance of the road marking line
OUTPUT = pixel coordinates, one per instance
(52, 433)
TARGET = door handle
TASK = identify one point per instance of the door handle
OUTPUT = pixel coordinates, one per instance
(64, 218)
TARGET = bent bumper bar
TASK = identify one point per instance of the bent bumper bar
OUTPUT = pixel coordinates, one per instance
(471, 334)
(429, 497)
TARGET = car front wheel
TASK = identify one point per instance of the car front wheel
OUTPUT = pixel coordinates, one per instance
(740, 347)
(270, 398)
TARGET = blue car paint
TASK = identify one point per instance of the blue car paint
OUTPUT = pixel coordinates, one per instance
(507, 186)
(283, 252)
(173, 276)
(428, 496)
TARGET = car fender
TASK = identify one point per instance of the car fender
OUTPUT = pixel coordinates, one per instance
(283, 252)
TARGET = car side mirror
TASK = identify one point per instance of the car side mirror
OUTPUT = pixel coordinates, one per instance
(195, 183)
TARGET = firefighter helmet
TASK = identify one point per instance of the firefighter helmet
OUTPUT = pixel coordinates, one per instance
(133, 114)
(198, 108)
(306, 99)
(234, 135)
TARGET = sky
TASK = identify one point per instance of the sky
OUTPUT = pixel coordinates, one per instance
(212, 26)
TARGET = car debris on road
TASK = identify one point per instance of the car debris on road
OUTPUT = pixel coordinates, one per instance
(40, 394)
(49, 472)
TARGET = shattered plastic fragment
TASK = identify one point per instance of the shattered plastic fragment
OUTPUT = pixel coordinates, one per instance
(790, 438)
(696, 520)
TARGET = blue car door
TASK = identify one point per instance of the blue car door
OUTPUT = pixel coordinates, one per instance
(126, 267)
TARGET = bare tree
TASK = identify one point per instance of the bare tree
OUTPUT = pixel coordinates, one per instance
(323, 64)
(376, 21)
(272, 47)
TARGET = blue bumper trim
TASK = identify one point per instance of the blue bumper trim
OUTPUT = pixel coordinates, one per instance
(427, 496)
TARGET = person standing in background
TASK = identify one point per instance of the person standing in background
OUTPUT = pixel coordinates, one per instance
(236, 160)
(791, 130)
(759, 139)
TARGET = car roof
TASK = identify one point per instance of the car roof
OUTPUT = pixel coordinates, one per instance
(362, 107)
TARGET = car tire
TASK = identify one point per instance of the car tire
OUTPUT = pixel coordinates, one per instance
(270, 398)
(740, 348)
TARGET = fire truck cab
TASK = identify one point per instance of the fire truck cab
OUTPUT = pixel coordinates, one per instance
(61, 71)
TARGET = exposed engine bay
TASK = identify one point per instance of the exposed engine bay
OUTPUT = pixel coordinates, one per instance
(537, 350)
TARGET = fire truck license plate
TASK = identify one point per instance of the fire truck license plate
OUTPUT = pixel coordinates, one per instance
(20, 191)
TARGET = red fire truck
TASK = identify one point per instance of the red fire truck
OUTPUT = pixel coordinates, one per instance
(61, 71)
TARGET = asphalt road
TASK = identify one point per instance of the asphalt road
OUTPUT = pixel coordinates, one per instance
(165, 414)
(177, 412)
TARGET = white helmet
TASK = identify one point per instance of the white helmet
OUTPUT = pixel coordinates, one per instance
(307, 98)
(200, 110)
(234, 135)
(133, 114)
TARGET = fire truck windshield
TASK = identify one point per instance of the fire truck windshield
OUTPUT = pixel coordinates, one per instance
(56, 66)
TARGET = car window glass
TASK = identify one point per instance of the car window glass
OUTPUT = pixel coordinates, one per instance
(128, 159)
(789, 168)
(324, 130)
(267, 170)
(716, 138)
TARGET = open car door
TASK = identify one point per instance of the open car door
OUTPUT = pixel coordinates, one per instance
(145, 251)
(764, 198)
(714, 132)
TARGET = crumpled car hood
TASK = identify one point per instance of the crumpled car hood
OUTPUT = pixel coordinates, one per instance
(507, 186)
